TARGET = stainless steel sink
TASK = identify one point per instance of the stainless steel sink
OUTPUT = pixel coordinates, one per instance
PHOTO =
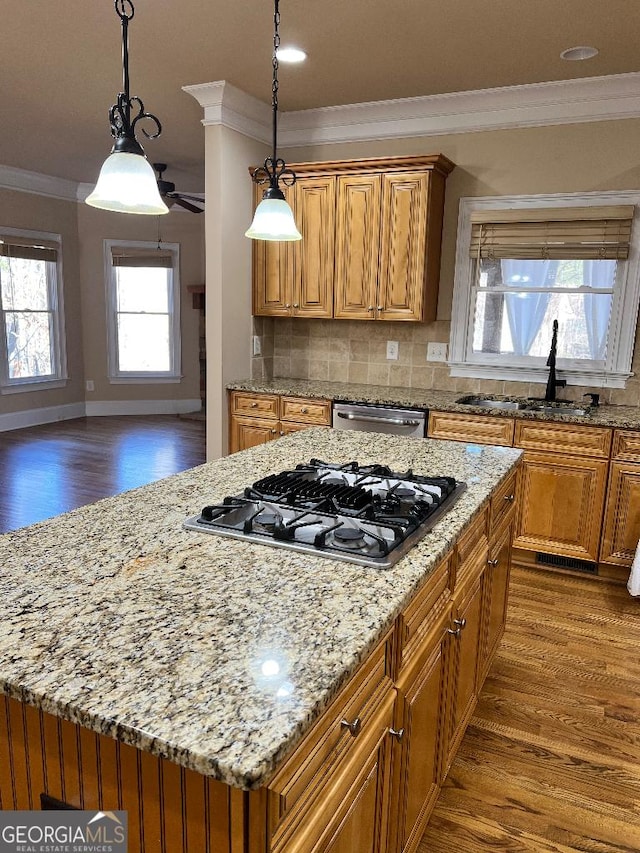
(490, 403)
(561, 407)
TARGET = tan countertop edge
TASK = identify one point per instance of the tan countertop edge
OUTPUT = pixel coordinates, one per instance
(621, 417)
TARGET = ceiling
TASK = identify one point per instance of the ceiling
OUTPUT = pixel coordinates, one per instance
(60, 63)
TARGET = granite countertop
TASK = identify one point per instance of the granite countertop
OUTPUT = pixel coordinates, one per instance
(114, 617)
(622, 417)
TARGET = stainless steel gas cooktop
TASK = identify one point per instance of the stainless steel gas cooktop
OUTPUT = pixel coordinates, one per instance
(364, 514)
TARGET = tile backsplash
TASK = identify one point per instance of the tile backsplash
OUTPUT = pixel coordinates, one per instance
(356, 351)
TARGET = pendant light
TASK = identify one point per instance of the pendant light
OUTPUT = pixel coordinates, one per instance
(273, 219)
(127, 182)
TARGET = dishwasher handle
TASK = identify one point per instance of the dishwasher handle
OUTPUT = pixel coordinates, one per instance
(371, 419)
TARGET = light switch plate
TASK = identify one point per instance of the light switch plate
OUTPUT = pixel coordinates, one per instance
(436, 352)
(257, 345)
(392, 350)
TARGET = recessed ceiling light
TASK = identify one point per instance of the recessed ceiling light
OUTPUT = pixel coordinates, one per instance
(291, 54)
(574, 54)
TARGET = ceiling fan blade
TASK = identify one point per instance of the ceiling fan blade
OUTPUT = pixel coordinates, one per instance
(192, 197)
(187, 205)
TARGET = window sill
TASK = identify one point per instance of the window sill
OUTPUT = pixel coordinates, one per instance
(595, 378)
(145, 379)
(35, 385)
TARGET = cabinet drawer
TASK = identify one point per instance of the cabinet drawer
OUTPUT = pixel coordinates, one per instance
(564, 438)
(254, 405)
(330, 744)
(305, 411)
(626, 445)
(418, 618)
(502, 502)
(475, 429)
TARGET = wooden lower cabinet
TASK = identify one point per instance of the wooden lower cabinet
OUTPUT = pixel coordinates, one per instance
(495, 595)
(622, 517)
(561, 502)
(420, 713)
(257, 418)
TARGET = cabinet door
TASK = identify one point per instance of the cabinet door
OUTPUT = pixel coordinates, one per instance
(272, 272)
(357, 238)
(403, 245)
(622, 519)
(560, 505)
(419, 713)
(249, 432)
(463, 649)
(313, 256)
(495, 596)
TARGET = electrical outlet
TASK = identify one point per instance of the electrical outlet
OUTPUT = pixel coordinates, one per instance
(436, 352)
(257, 345)
(392, 350)
(90, 385)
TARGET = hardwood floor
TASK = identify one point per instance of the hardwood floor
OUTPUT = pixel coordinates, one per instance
(50, 469)
(551, 759)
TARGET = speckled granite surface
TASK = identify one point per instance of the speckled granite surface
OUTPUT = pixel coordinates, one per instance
(623, 417)
(115, 617)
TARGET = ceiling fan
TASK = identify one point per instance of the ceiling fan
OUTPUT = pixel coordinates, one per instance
(168, 192)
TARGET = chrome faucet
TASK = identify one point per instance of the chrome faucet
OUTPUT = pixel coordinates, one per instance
(552, 382)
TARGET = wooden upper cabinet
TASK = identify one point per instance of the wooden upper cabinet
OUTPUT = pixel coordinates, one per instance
(403, 246)
(370, 250)
(272, 271)
(357, 235)
(313, 256)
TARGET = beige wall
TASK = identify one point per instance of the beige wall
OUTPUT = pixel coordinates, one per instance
(228, 155)
(95, 226)
(571, 158)
(38, 213)
(83, 230)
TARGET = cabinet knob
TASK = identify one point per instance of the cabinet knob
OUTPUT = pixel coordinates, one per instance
(397, 734)
(353, 727)
(457, 631)
(281, 432)
(304, 410)
(380, 307)
(254, 405)
(287, 305)
(296, 305)
(510, 498)
(370, 308)
(493, 563)
(274, 431)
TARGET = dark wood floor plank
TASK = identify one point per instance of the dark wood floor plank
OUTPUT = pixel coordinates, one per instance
(551, 760)
(50, 469)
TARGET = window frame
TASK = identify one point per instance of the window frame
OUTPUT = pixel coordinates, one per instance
(624, 309)
(122, 377)
(59, 377)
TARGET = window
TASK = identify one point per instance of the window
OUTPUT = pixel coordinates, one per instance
(31, 316)
(524, 262)
(144, 312)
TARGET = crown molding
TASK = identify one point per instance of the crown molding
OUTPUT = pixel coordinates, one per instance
(530, 105)
(536, 104)
(226, 105)
(22, 180)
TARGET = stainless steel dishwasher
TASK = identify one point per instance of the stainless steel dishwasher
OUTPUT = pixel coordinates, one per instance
(407, 422)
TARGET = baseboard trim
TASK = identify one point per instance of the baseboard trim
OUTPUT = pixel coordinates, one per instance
(103, 408)
(67, 411)
(45, 415)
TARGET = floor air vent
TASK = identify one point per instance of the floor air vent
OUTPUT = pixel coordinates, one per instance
(567, 563)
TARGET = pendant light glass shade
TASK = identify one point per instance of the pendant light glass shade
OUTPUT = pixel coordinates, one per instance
(127, 184)
(273, 220)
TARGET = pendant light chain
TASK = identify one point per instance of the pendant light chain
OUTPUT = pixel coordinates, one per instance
(274, 85)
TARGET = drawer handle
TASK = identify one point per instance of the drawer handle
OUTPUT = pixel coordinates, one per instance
(397, 734)
(461, 623)
(254, 405)
(493, 563)
(510, 498)
(304, 410)
(353, 727)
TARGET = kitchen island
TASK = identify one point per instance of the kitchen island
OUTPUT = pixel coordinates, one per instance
(170, 673)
